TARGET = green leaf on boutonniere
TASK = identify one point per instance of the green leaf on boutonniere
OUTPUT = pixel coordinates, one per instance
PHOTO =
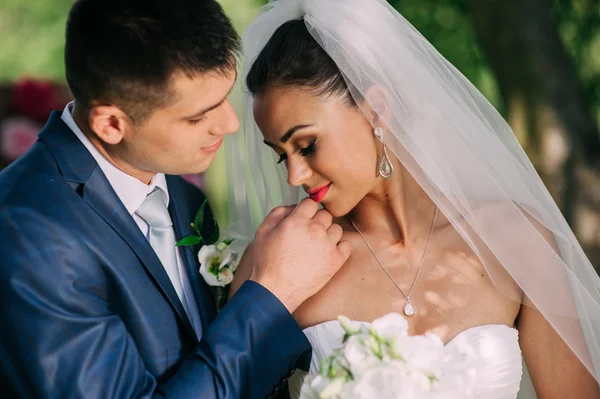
(228, 241)
(199, 219)
(214, 237)
(189, 240)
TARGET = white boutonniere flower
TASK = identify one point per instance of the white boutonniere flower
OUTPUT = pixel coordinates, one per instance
(218, 262)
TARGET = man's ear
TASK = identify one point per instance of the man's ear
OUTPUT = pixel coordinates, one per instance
(109, 123)
(376, 99)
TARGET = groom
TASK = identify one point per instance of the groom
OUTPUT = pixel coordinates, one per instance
(96, 300)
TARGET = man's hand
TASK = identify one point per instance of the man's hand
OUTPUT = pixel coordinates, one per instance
(296, 252)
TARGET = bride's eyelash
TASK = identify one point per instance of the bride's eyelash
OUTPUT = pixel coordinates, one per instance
(303, 151)
(310, 149)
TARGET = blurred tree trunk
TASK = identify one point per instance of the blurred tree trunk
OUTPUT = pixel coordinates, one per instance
(546, 106)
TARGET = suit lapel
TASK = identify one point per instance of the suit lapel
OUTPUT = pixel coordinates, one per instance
(182, 215)
(78, 166)
(99, 194)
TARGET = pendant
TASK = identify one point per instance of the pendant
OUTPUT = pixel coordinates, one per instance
(409, 310)
(386, 169)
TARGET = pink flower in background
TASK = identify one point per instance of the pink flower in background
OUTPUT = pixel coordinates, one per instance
(196, 180)
(36, 99)
(17, 135)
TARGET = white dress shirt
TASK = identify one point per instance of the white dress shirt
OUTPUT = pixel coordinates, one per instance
(131, 191)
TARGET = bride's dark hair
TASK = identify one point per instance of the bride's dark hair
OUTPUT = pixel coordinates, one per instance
(293, 58)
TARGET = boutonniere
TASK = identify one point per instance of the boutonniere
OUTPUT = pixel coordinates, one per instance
(218, 262)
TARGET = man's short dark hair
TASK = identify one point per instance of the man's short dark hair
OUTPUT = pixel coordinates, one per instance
(124, 52)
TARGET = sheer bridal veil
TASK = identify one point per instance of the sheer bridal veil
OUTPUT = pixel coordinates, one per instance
(456, 146)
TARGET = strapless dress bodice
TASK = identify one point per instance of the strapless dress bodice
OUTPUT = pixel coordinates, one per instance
(497, 345)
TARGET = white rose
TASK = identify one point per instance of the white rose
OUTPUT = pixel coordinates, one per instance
(226, 257)
(233, 265)
(371, 343)
(209, 257)
(390, 325)
(423, 354)
(359, 357)
(319, 387)
(206, 255)
(421, 380)
(384, 382)
(307, 391)
(335, 365)
(225, 276)
(333, 388)
(349, 326)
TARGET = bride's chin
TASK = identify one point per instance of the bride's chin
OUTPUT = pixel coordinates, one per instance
(336, 210)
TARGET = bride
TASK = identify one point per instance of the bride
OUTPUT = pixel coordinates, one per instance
(449, 222)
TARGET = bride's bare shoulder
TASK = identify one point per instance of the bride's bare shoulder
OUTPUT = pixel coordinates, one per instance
(505, 236)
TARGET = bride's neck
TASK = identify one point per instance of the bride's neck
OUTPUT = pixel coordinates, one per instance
(396, 209)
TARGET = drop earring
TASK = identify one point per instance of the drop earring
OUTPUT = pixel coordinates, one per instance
(385, 168)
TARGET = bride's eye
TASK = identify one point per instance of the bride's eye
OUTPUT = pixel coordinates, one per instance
(303, 151)
(310, 149)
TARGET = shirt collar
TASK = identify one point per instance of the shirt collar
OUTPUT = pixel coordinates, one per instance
(130, 190)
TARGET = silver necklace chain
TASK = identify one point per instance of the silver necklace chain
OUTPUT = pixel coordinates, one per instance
(408, 309)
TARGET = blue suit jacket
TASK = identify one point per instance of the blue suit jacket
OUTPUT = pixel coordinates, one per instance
(88, 310)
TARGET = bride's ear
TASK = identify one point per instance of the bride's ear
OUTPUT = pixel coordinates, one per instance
(379, 109)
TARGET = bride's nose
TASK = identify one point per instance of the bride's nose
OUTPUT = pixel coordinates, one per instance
(298, 171)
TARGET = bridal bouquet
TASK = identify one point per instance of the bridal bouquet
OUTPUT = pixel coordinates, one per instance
(382, 361)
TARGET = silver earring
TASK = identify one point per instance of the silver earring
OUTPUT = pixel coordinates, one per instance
(386, 169)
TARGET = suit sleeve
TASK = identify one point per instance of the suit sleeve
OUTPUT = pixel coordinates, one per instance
(59, 337)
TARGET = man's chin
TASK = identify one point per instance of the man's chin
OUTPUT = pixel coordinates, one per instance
(200, 166)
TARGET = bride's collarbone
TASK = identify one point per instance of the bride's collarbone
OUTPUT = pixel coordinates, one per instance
(453, 293)
(443, 266)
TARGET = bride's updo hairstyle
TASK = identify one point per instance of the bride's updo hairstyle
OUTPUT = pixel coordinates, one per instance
(293, 58)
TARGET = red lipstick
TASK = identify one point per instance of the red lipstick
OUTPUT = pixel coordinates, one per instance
(319, 193)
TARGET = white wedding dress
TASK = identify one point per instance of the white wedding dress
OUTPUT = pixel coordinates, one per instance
(498, 374)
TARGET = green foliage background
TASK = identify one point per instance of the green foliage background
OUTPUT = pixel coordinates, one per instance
(32, 37)
(32, 44)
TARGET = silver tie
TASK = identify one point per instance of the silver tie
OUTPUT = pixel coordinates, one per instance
(162, 239)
